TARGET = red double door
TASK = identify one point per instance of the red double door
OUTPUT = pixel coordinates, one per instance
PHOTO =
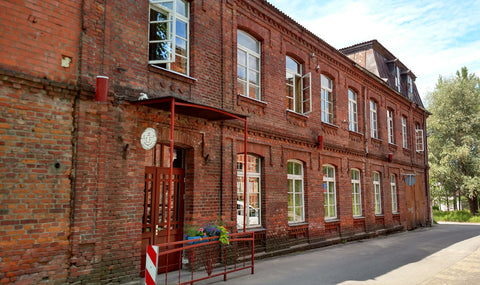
(154, 229)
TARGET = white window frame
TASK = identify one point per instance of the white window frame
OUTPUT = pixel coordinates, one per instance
(419, 139)
(390, 127)
(373, 119)
(352, 111)
(254, 54)
(397, 78)
(410, 87)
(293, 179)
(251, 178)
(327, 99)
(404, 132)
(377, 193)
(356, 193)
(302, 91)
(172, 18)
(329, 192)
(393, 189)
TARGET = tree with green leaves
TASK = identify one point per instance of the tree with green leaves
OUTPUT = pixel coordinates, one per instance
(454, 146)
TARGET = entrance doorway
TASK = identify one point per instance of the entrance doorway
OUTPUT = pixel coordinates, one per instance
(155, 215)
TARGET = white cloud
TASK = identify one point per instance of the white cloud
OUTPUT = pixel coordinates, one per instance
(430, 37)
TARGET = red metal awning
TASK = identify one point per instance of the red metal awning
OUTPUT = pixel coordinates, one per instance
(185, 107)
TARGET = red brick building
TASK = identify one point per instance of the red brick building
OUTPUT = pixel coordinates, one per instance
(332, 134)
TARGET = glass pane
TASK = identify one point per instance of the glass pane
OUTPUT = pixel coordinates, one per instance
(255, 187)
(290, 200)
(298, 199)
(241, 87)
(157, 16)
(253, 91)
(253, 77)
(290, 214)
(290, 167)
(298, 186)
(182, 7)
(247, 41)
(241, 57)
(242, 72)
(253, 62)
(181, 46)
(298, 214)
(290, 185)
(158, 31)
(292, 65)
(181, 29)
(159, 51)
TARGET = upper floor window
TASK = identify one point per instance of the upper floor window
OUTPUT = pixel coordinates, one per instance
(419, 144)
(329, 192)
(404, 132)
(391, 135)
(253, 201)
(377, 193)
(352, 111)
(410, 86)
(296, 212)
(373, 120)
(168, 35)
(397, 78)
(356, 193)
(327, 99)
(248, 65)
(393, 189)
(298, 88)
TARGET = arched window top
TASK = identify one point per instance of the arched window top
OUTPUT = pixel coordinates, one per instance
(295, 167)
(376, 176)
(293, 65)
(355, 174)
(246, 40)
(328, 171)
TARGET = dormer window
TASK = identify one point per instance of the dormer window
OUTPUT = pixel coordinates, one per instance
(397, 78)
(410, 86)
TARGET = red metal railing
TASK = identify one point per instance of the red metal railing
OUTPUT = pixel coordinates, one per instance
(205, 258)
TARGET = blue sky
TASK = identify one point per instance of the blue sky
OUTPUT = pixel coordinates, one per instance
(431, 37)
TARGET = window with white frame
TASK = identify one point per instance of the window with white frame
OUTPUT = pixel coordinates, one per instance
(390, 131)
(356, 193)
(352, 111)
(373, 120)
(169, 35)
(404, 132)
(327, 99)
(393, 189)
(295, 192)
(330, 197)
(298, 88)
(253, 195)
(419, 138)
(410, 86)
(397, 78)
(248, 65)
(377, 193)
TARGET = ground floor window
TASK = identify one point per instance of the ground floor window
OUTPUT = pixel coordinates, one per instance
(377, 193)
(253, 201)
(393, 189)
(295, 192)
(330, 198)
(356, 193)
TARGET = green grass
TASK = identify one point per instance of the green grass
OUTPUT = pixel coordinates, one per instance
(455, 216)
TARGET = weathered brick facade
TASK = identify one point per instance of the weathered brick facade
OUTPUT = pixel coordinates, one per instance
(73, 170)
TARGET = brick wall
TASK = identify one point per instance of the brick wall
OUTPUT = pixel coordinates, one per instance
(35, 160)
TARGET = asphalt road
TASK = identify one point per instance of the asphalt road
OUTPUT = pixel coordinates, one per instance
(442, 254)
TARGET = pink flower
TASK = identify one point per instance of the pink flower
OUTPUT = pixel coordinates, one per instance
(201, 229)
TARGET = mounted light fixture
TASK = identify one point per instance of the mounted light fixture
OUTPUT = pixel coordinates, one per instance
(390, 157)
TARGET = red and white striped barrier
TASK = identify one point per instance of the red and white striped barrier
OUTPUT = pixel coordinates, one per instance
(151, 267)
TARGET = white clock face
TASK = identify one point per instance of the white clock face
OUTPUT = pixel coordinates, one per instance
(149, 138)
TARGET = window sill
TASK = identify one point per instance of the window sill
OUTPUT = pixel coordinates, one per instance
(358, 217)
(329, 128)
(299, 224)
(296, 118)
(332, 220)
(172, 74)
(251, 104)
(252, 229)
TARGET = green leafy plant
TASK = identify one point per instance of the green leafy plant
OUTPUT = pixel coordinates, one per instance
(209, 231)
